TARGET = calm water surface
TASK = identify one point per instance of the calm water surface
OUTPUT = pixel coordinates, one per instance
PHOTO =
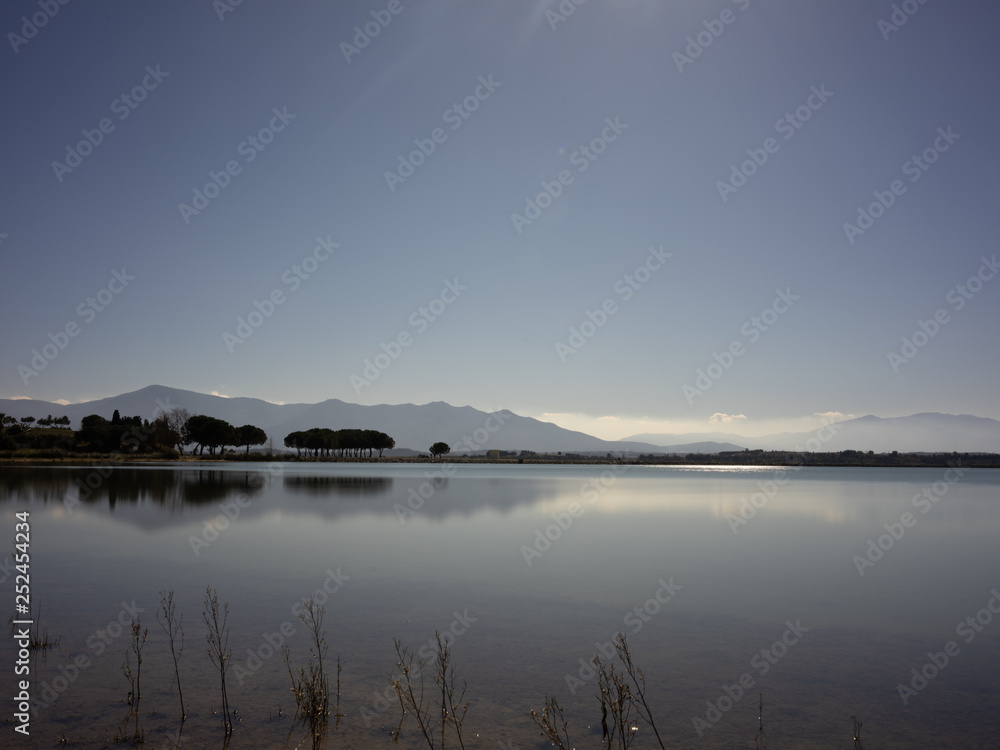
(705, 595)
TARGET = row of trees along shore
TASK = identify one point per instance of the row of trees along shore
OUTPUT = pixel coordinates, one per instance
(321, 441)
(174, 430)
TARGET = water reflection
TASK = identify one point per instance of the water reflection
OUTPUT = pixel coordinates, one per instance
(730, 495)
(434, 493)
(351, 486)
(126, 485)
(416, 545)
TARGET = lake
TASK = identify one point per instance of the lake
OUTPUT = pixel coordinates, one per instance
(832, 592)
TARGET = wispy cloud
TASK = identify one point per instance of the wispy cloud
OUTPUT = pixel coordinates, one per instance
(616, 427)
(719, 417)
(835, 416)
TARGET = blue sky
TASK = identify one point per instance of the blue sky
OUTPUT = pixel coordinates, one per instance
(503, 99)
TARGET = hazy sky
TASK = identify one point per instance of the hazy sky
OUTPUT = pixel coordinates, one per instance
(367, 173)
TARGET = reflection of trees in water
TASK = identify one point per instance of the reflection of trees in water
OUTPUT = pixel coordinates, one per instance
(178, 489)
(353, 486)
(209, 486)
(37, 483)
(90, 485)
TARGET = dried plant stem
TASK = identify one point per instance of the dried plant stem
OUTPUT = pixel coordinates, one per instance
(409, 687)
(311, 686)
(173, 627)
(218, 647)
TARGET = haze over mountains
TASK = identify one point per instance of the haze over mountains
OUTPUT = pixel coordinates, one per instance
(416, 427)
(928, 432)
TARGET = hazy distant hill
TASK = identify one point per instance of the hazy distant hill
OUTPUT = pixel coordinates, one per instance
(930, 432)
(414, 427)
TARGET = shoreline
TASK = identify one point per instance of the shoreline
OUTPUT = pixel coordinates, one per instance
(983, 461)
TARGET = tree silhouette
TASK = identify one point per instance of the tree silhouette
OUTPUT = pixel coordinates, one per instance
(440, 449)
(322, 441)
(251, 435)
(383, 442)
(211, 432)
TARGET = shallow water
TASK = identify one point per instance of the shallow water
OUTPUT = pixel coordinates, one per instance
(458, 560)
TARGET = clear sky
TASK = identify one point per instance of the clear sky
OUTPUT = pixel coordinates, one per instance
(368, 174)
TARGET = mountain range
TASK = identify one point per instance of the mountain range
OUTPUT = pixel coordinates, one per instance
(414, 427)
(466, 429)
(926, 432)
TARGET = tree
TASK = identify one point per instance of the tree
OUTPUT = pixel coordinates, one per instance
(211, 432)
(161, 433)
(98, 434)
(440, 449)
(27, 420)
(250, 435)
(313, 441)
(295, 440)
(176, 419)
(383, 442)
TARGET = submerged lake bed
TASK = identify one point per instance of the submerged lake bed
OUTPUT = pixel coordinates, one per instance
(830, 592)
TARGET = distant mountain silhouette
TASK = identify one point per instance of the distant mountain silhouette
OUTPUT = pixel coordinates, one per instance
(414, 427)
(927, 432)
